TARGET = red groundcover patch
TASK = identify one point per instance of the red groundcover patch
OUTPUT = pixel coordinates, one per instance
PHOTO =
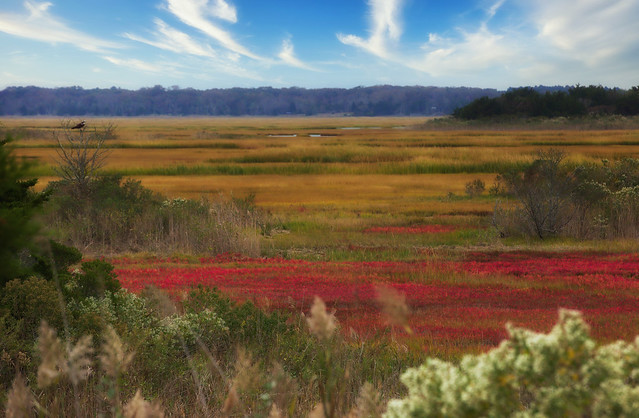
(462, 303)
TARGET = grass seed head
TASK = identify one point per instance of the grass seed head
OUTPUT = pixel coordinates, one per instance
(231, 402)
(114, 358)
(139, 408)
(369, 403)
(321, 323)
(51, 355)
(19, 400)
(394, 306)
(78, 366)
(275, 412)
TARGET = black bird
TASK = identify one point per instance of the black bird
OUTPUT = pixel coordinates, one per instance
(80, 125)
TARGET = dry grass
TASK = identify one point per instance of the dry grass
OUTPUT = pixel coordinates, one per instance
(389, 166)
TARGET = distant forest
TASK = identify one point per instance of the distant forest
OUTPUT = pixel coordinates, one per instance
(574, 101)
(265, 101)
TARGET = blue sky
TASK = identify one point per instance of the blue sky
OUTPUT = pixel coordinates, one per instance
(318, 43)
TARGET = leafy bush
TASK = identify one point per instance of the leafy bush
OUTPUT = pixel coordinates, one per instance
(30, 301)
(96, 278)
(562, 373)
(248, 325)
(56, 260)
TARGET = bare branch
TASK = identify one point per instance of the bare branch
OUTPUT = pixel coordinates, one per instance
(81, 153)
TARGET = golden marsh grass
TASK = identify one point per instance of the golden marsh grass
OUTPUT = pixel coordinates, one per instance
(321, 162)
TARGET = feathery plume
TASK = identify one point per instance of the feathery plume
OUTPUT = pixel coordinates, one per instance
(19, 400)
(369, 404)
(231, 402)
(275, 412)
(394, 306)
(51, 355)
(78, 366)
(114, 358)
(321, 323)
(139, 408)
(75, 361)
(317, 412)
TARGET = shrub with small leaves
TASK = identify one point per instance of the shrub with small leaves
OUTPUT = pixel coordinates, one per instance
(180, 331)
(561, 373)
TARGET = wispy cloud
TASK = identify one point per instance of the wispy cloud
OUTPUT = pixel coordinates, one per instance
(287, 55)
(385, 27)
(138, 65)
(173, 40)
(492, 10)
(196, 13)
(40, 25)
(591, 31)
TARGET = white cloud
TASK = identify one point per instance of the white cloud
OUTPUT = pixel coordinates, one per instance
(492, 10)
(287, 55)
(136, 64)
(195, 13)
(173, 40)
(223, 10)
(385, 27)
(40, 25)
(474, 52)
(591, 31)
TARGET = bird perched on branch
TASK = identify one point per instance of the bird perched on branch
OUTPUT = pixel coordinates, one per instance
(80, 125)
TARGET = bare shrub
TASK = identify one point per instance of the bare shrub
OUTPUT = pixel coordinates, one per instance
(81, 153)
(475, 188)
(543, 192)
(587, 201)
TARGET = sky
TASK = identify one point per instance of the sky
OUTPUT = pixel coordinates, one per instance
(206, 44)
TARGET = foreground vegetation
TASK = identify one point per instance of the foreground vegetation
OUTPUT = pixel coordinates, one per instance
(389, 254)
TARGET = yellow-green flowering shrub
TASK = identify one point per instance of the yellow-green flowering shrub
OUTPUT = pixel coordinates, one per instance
(562, 373)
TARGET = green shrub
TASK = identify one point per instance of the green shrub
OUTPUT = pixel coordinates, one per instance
(56, 260)
(248, 325)
(18, 204)
(561, 373)
(30, 301)
(96, 278)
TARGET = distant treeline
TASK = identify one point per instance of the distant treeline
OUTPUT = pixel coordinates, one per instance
(574, 101)
(359, 101)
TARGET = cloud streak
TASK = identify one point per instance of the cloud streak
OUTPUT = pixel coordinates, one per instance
(138, 65)
(173, 40)
(40, 25)
(196, 13)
